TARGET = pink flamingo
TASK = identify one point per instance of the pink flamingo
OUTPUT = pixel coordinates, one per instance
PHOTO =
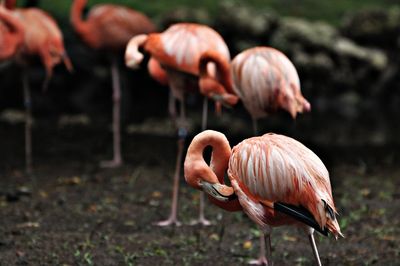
(176, 59)
(109, 27)
(265, 80)
(43, 39)
(275, 179)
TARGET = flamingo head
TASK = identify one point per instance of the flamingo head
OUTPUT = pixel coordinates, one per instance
(133, 57)
(214, 90)
(201, 176)
(293, 102)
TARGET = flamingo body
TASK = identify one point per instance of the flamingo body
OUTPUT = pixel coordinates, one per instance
(179, 50)
(181, 46)
(265, 80)
(42, 38)
(108, 26)
(276, 168)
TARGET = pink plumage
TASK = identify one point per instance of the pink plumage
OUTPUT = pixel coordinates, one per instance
(277, 168)
(265, 80)
(265, 172)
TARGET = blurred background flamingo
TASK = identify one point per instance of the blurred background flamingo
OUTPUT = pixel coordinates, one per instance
(178, 51)
(265, 80)
(43, 39)
(109, 27)
(276, 179)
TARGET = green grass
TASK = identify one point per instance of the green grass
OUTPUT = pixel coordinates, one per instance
(330, 11)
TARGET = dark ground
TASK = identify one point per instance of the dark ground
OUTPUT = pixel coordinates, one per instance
(74, 213)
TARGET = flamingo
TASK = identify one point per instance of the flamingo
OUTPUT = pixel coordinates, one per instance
(11, 34)
(265, 80)
(109, 27)
(176, 54)
(275, 179)
(43, 39)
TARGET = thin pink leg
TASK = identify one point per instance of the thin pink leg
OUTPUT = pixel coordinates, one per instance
(265, 250)
(172, 219)
(314, 246)
(202, 220)
(117, 160)
(28, 123)
(171, 106)
(182, 132)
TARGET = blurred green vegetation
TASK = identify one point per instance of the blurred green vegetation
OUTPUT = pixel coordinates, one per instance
(330, 11)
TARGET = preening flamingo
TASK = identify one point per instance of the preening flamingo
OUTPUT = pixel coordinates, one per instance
(43, 39)
(109, 27)
(178, 50)
(275, 179)
(11, 34)
(265, 80)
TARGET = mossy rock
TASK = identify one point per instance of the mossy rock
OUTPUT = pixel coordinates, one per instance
(378, 27)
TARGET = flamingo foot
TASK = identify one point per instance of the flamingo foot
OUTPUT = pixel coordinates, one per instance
(260, 261)
(168, 222)
(111, 164)
(201, 221)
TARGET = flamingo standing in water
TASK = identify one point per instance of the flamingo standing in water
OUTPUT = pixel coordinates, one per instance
(275, 179)
(11, 34)
(43, 39)
(176, 54)
(265, 80)
(109, 27)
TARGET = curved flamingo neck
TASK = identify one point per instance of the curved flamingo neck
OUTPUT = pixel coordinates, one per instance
(221, 152)
(79, 24)
(157, 72)
(223, 71)
(197, 170)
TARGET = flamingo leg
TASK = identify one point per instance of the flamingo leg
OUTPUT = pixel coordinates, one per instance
(265, 249)
(314, 246)
(204, 115)
(182, 133)
(28, 122)
(171, 106)
(117, 160)
(255, 126)
(202, 220)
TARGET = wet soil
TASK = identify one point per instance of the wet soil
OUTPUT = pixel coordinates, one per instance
(71, 212)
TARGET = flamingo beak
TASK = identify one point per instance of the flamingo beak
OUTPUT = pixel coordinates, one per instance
(218, 191)
(133, 59)
(67, 62)
(220, 99)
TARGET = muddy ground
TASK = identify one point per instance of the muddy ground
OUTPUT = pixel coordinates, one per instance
(71, 212)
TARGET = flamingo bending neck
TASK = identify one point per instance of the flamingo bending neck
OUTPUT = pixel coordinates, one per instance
(200, 175)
